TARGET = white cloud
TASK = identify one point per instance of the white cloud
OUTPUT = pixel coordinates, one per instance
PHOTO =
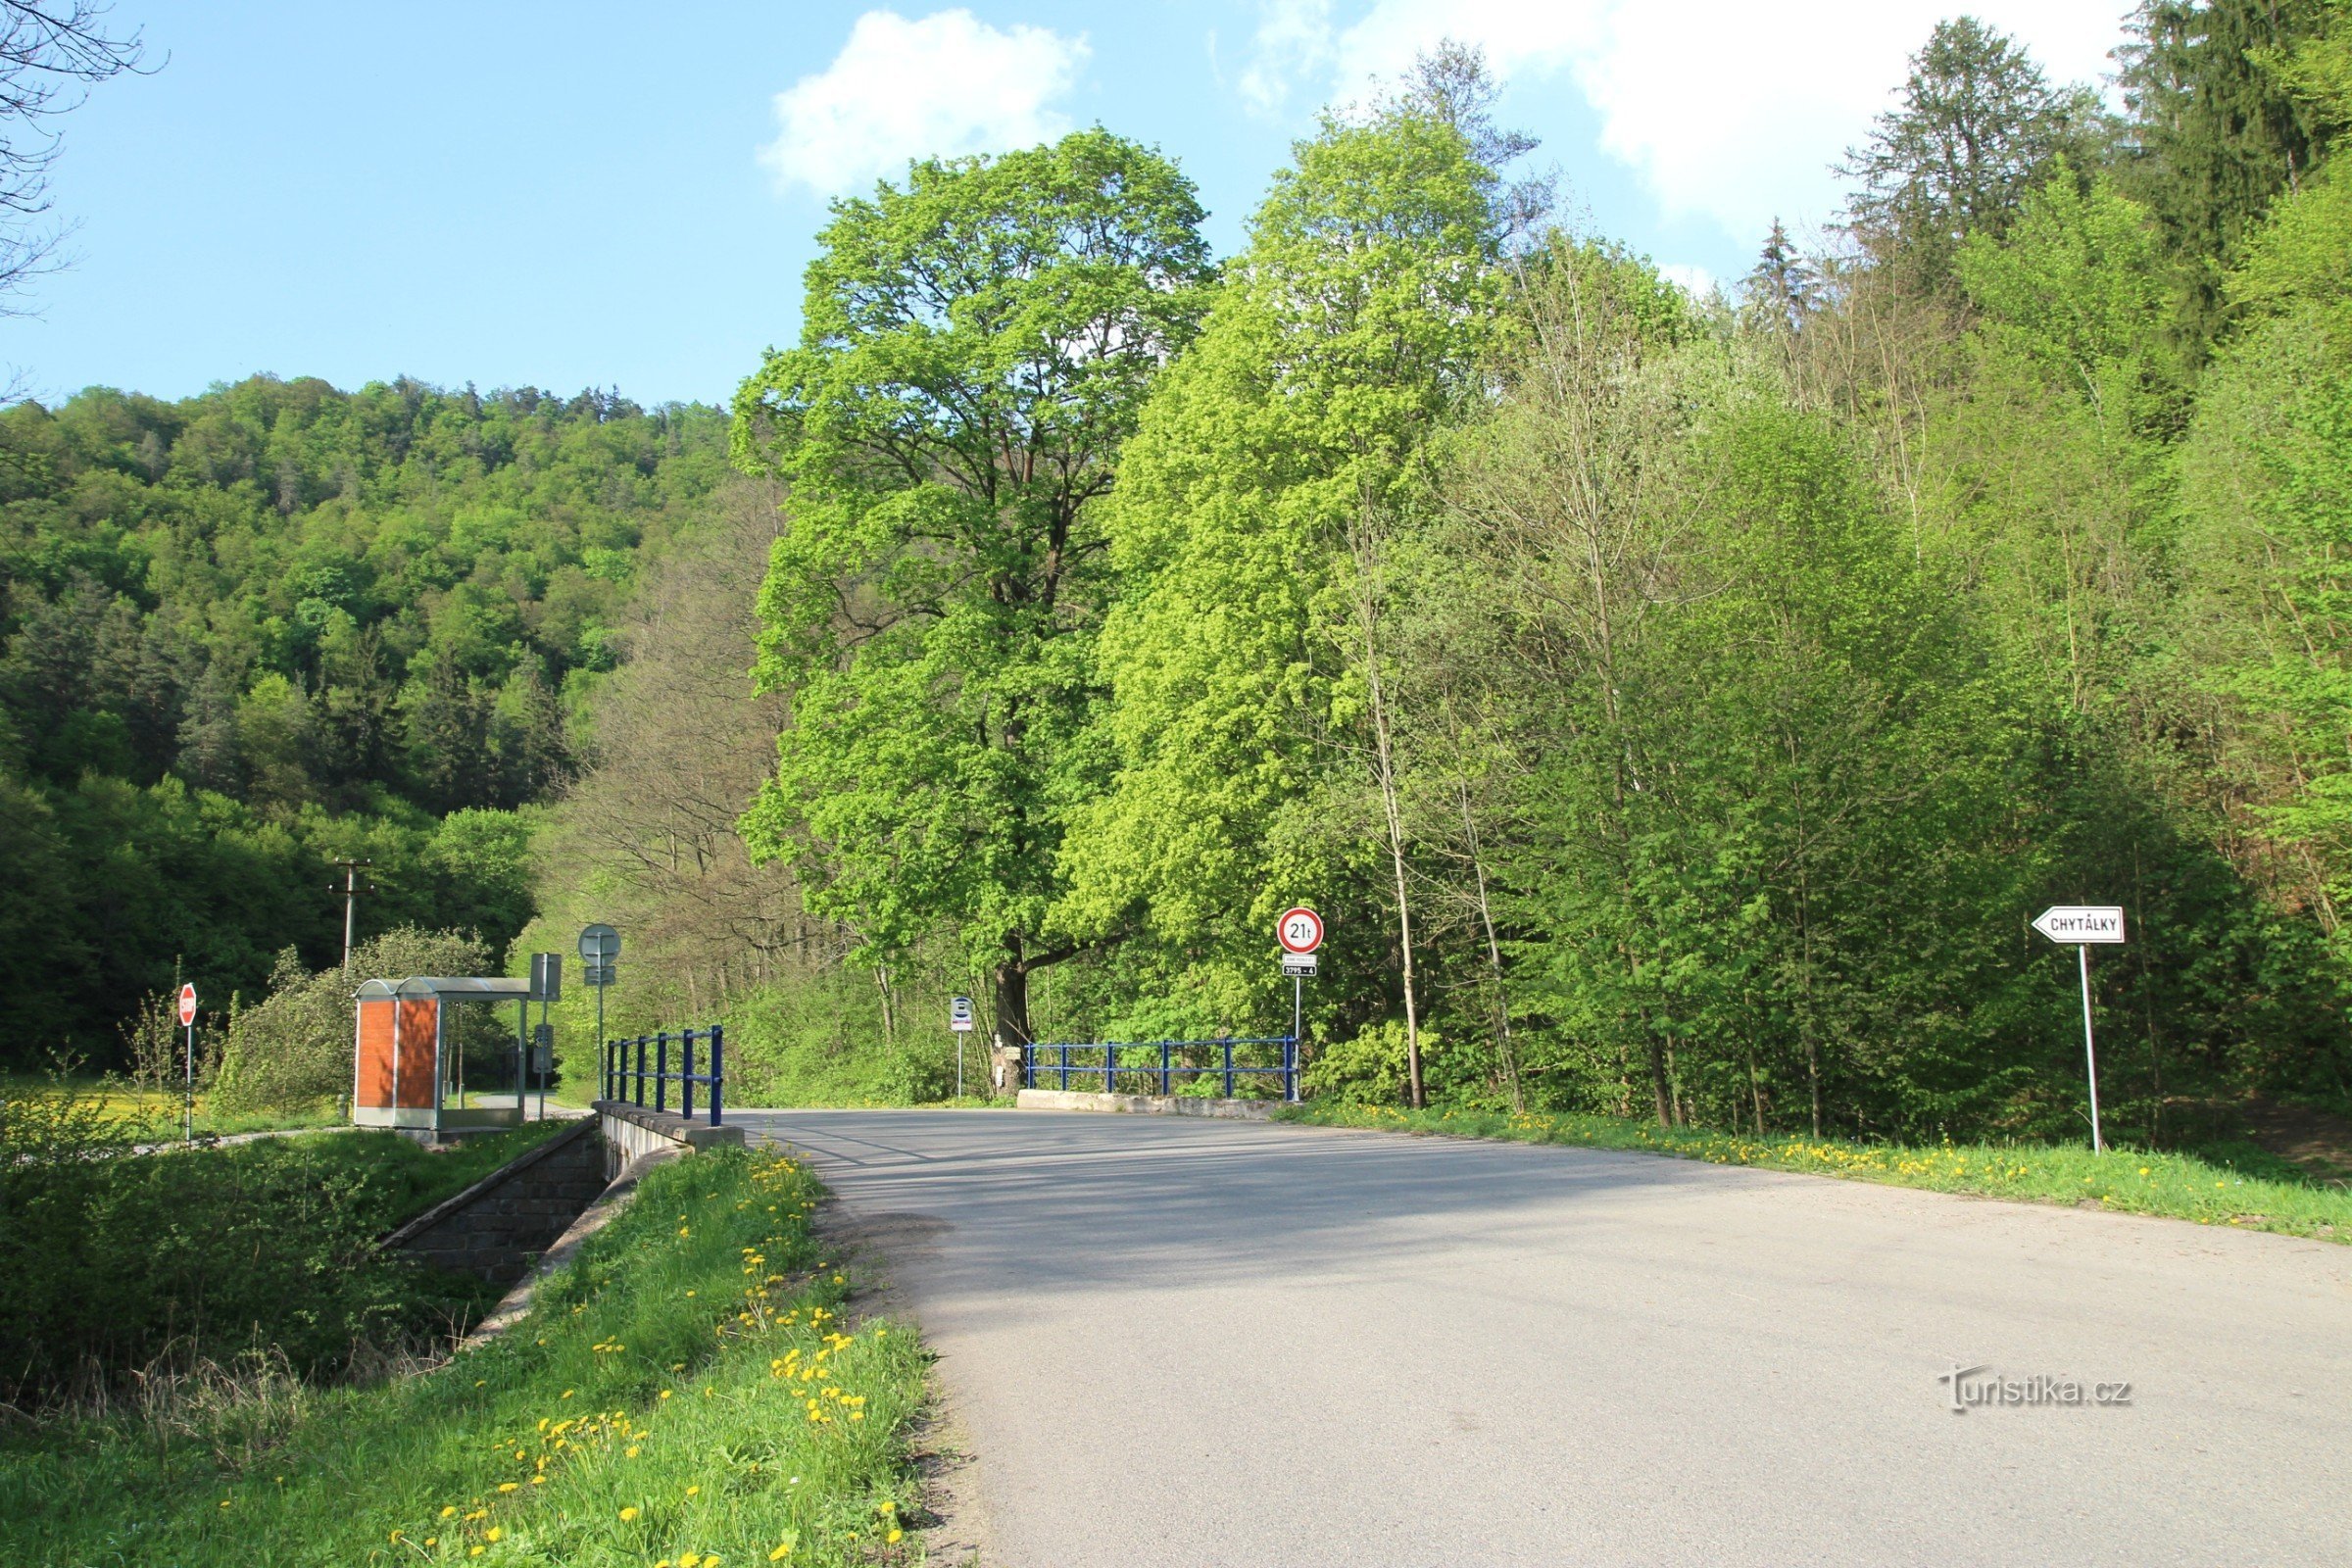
(1695, 281)
(1293, 38)
(944, 85)
(1724, 108)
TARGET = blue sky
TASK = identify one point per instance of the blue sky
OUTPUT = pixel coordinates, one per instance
(599, 194)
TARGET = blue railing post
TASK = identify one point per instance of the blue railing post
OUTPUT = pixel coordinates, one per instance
(718, 1075)
(1110, 1069)
(1163, 1069)
(1289, 1071)
(1228, 1069)
(686, 1075)
(1065, 1068)
(662, 1069)
(638, 1098)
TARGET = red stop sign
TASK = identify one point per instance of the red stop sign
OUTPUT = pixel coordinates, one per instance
(187, 1002)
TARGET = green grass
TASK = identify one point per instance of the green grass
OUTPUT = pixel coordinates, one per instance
(159, 1111)
(2248, 1189)
(684, 1393)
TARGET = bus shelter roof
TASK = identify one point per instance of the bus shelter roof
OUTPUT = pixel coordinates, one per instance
(450, 988)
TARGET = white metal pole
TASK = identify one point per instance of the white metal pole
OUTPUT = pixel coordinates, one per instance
(2090, 1056)
(1297, 983)
(188, 1094)
(959, 1064)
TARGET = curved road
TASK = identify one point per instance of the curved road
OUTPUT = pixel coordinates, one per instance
(1181, 1341)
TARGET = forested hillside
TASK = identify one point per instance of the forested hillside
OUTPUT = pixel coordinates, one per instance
(1678, 705)
(253, 631)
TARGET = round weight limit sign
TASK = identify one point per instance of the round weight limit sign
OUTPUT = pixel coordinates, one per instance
(1300, 930)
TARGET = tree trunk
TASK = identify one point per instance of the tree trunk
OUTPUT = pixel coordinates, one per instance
(1486, 916)
(1011, 979)
(1660, 1090)
(1384, 762)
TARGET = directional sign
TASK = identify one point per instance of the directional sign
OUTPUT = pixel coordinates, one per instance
(2079, 922)
(187, 1002)
(1300, 929)
(1297, 964)
(959, 1015)
(600, 943)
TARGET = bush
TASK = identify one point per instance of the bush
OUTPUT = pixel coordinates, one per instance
(294, 1049)
(115, 1261)
(1371, 1069)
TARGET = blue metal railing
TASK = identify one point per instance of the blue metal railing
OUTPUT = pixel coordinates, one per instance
(1035, 1068)
(624, 1082)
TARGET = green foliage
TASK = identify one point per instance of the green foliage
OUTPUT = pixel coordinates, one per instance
(247, 632)
(2220, 130)
(123, 1264)
(632, 1386)
(1978, 127)
(1348, 330)
(973, 356)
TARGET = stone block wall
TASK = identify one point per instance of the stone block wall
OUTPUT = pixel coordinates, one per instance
(497, 1227)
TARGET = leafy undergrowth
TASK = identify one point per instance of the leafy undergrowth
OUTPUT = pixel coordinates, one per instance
(683, 1393)
(2174, 1185)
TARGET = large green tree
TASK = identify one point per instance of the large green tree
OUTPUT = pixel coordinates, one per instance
(1243, 726)
(2220, 131)
(975, 350)
(1978, 126)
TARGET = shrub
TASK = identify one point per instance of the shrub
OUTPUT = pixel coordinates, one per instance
(115, 1261)
(294, 1049)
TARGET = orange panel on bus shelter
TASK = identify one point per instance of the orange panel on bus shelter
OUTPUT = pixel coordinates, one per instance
(419, 1066)
(374, 1086)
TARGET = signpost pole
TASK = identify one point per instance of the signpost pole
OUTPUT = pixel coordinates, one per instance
(1297, 989)
(2083, 924)
(187, 1092)
(2090, 1056)
(959, 1066)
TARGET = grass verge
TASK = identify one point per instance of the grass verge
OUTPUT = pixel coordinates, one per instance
(158, 1111)
(684, 1393)
(2210, 1192)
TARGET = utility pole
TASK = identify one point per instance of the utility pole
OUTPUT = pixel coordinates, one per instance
(351, 900)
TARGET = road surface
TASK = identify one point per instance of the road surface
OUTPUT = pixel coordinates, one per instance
(1187, 1342)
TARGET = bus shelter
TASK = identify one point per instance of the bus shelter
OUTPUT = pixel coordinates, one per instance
(408, 1067)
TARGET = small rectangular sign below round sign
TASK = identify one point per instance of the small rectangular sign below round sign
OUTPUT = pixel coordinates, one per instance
(1297, 964)
(2081, 922)
(960, 1014)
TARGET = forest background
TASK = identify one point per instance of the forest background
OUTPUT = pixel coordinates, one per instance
(1676, 706)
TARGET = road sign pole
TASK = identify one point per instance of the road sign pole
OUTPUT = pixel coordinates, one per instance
(2090, 1056)
(959, 1066)
(187, 1097)
(1297, 990)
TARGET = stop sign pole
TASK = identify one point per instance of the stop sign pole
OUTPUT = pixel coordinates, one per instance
(187, 1096)
(2084, 925)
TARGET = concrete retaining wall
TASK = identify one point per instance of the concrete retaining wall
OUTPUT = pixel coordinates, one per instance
(499, 1225)
(1147, 1105)
(632, 1131)
(502, 1224)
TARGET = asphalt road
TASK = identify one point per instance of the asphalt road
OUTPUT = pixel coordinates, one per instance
(1177, 1342)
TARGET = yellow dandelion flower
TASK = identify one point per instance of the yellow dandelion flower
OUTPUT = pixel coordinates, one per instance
(627, 1514)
